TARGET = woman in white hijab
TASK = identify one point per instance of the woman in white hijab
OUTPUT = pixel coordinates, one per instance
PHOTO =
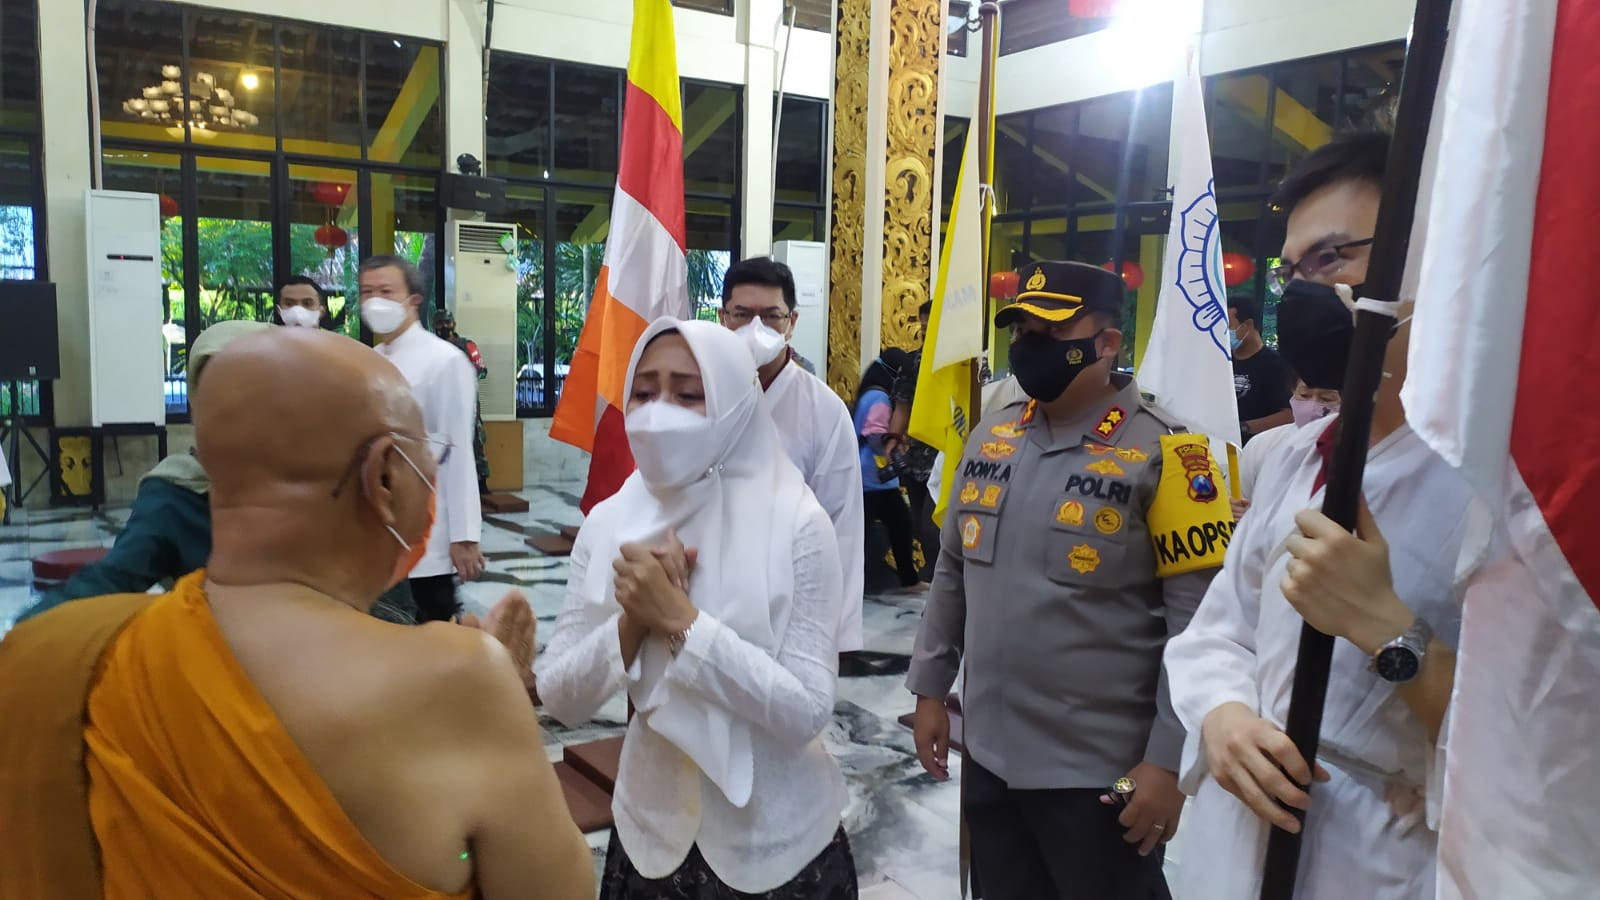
(709, 588)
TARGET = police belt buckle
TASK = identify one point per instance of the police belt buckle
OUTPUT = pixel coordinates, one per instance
(1122, 790)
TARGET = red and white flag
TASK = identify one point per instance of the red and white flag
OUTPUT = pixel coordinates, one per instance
(1504, 346)
(646, 272)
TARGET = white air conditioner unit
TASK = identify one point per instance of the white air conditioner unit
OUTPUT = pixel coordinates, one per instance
(808, 260)
(481, 288)
(127, 351)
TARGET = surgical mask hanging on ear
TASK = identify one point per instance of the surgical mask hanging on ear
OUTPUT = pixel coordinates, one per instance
(411, 552)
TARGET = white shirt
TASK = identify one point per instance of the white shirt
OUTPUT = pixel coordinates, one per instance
(815, 428)
(1367, 834)
(663, 803)
(1253, 458)
(446, 387)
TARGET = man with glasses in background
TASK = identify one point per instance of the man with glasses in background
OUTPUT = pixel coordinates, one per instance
(446, 387)
(758, 298)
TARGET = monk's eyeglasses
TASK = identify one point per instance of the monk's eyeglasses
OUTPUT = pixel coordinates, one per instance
(439, 447)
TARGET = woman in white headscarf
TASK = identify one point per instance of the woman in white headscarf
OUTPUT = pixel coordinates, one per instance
(709, 588)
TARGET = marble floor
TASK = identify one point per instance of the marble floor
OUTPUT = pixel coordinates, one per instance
(902, 824)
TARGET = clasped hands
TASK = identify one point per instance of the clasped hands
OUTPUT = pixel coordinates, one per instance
(652, 585)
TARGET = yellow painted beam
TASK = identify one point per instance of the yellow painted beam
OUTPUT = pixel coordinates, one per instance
(418, 94)
(703, 117)
(1290, 118)
(1056, 162)
(1145, 315)
(383, 189)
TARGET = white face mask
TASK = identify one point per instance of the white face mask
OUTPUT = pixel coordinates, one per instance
(672, 446)
(382, 315)
(764, 343)
(299, 317)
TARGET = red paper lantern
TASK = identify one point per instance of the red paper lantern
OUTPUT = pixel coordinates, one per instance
(1003, 285)
(1132, 273)
(330, 193)
(1237, 268)
(331, 237)
(169, 207)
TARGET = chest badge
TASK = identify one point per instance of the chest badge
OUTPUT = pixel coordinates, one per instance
(1111, 422)
(971, 532)
(1084, 559)
(991, 496)
(1107, 466)
(1196, 459)
(997, 449)
(1007, 430)
(1132, 455)
(1070, 513)
(1108, 520)
(970, 492)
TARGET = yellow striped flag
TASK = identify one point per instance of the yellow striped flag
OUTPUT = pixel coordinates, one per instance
(645, 273)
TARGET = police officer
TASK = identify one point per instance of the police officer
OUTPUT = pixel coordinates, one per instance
(1083, 529)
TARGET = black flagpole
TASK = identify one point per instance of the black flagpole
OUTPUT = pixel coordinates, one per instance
(1396, 211)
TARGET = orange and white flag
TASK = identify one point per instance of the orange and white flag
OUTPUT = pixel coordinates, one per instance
(645, 274)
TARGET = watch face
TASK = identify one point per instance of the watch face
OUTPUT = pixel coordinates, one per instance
(1397, 664)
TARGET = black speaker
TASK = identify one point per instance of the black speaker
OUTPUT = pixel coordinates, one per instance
(473, 192)
(28, 347)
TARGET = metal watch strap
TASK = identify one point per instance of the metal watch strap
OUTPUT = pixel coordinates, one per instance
(676, 641)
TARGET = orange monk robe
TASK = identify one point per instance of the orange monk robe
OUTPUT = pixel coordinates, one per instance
(196, 789)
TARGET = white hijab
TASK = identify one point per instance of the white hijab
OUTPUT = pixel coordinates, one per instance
(741, 512)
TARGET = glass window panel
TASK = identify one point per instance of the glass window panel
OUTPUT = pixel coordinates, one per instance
(1090, 241)
(1371, 86)
(1005, 255)
(234, 219)
(1054, 130)
(813, 15)
(1237, 116)
(800, 150)
(19, 65)
(1097, 148)
(711, 138)
(319, 90)
(231, 89)
(1143, 243)
(405, 123)
(712, 243)
(518, 117)
(956, 24)
(1304, 111)
(587, 124)
(1152, 139)
(324, 238)
(797, 223)
(18, 178)
(1047, 238)
(1012, 170)
(1035, 23)
(138, 59)
(405, 220)
(582, 220)
(525, 208)
(160, 173)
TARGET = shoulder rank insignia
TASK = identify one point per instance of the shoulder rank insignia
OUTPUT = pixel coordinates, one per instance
(1084, 559)
(997, 449)
(1107, 466)
(1111, 422)
(1007, 430)
(1070, 513)
(970, 492)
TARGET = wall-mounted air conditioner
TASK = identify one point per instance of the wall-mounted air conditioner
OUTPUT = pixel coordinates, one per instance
(481, 288)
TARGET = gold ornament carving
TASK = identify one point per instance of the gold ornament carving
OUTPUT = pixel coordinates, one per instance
(851, 76)
(916, 28)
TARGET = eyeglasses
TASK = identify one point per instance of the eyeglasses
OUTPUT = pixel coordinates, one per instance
(438, 447)
(771, 318)
(1316, 263)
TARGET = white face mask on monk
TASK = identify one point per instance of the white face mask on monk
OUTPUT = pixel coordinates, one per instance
(672, 446)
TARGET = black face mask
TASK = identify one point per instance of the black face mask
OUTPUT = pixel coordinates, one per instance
(1045, 366)
(1315, 330)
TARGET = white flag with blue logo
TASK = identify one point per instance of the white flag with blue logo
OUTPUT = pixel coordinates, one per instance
(1187, 364)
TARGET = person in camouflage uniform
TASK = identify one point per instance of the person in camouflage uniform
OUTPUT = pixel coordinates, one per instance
(444, 325)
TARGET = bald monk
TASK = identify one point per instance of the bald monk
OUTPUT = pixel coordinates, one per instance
(254, 733)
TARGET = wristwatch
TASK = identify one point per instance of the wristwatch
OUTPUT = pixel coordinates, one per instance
(676, 640)
(1400, 660)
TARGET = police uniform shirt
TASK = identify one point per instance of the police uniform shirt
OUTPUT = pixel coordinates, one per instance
(1067, 558)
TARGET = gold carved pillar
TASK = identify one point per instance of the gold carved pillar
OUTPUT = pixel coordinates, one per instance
(885, 133)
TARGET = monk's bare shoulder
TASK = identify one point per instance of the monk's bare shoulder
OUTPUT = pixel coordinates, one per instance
(463, 675)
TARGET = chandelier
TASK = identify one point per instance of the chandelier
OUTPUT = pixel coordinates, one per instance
(210, 108)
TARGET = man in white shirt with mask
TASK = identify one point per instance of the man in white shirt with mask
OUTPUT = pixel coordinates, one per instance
(758, 299)
(446, 387)
(301, 303)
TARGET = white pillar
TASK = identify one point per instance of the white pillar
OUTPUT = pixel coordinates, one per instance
(877, 165)
(63, 87)
(763, 44)
(463, 80)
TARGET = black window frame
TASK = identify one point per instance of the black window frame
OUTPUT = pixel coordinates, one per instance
(41, 414)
